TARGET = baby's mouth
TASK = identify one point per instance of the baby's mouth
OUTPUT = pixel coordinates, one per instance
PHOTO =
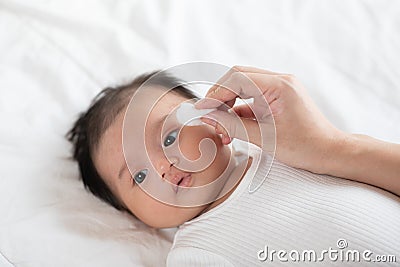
(184, 181)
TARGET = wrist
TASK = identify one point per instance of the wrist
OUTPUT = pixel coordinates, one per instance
(338, 152)
(349, 154)
(364, 159)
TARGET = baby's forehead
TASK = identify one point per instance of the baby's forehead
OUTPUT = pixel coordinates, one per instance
(154, 101)
(151, 96)
(147, 112)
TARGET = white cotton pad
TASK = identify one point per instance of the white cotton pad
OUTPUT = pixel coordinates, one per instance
(187, 112)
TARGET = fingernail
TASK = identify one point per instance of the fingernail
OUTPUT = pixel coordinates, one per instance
(226, 139)
(207, 103)
(208, 121)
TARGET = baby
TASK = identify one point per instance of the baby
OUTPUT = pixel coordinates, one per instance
(293, 210)
(97, 139)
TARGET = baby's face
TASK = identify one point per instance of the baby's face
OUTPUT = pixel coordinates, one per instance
(110, 164)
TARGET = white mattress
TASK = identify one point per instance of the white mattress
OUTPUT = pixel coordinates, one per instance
(56, 55)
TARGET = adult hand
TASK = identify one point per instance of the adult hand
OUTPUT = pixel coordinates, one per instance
(304, 137)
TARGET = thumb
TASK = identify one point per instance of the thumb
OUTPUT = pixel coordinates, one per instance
(230, 124)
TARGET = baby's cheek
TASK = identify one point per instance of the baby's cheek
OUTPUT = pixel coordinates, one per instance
(191, 136)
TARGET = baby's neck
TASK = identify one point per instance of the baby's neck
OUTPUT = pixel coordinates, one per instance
(226, 196)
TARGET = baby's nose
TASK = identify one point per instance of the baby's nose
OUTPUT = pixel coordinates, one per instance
(166, 171)
(170, 173)
(165, 165)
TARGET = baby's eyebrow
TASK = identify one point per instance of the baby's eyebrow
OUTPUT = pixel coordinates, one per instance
(122, 170)
(159, 122)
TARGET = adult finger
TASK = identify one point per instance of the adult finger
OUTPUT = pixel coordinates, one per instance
(244, 111)
(244, 69)
(230, 96)
(249, 85)
(219, 129)
(232, 126)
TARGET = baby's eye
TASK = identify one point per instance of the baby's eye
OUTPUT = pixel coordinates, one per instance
(140, 176)
(170, 139)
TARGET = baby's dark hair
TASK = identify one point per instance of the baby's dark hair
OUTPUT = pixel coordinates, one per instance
(90, 126)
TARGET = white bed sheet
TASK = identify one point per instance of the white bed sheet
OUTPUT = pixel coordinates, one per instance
(56, 55)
